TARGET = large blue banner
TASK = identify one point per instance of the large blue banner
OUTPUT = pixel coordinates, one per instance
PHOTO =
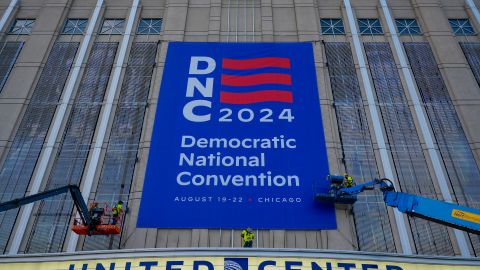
(238, 140)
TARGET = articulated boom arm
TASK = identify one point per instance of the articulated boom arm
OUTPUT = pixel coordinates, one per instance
(449, 214)
(383, 184)
(74, 191)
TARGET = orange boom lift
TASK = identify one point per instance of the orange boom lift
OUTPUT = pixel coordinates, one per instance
(96, 221)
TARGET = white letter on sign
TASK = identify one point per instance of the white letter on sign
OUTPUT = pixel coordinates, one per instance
(206, 90)
(194, 60)
(190, 115)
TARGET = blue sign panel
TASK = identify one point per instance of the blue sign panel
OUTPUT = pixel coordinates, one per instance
(238, 140)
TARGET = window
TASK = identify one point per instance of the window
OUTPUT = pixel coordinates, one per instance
(461, 27)
(357, 148)
(370, 27)
(22, 26)
(27, 144)
(408, 27)
(75, 26)
(332, 26)
(8, 56)
(112, 27)
(149, 26)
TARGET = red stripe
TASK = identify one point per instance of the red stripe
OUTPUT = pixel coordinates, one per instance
(249, 80)
(257, 96)
(264, 62)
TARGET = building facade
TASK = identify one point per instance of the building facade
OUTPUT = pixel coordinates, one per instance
(399, 87)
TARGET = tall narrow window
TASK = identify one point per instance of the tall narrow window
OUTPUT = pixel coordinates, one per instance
(454, 147)
(75, 26)
(461, 27)
(121, 154)
(370, 27)
(53, 217)
(408, 157)
(374, 232)
(8, 56)
(332, 27)
(22, 27)
(472, 53)
(149, 27)
(112, 27)
(22, 155)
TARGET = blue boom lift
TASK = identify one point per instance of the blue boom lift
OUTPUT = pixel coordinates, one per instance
(90, 223)
(449, 214)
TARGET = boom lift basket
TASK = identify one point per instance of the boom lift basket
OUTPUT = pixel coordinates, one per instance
(107, 224)
(334, 195)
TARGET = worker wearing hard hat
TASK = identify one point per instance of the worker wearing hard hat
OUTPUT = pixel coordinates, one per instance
(116, 211)
(348, 181)
(247, 237)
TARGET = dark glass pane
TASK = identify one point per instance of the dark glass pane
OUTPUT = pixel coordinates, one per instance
(112, 27)
(461, 27)
(149, 26)
(472, 53)
(370, 27)
(22, 26)
(8, 56)
(332, 26)
(75, 26)
(407, 27)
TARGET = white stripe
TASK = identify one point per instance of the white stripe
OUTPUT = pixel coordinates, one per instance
(54, 132)
(7, 14)
(386, 163)
(474, 10)
(107, 110)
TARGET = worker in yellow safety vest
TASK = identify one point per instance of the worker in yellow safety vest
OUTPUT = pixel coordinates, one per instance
(247, 237)
(348, 181)
(116, 211)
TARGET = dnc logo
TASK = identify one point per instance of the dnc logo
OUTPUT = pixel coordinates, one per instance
(242, 81)
(235, 264)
